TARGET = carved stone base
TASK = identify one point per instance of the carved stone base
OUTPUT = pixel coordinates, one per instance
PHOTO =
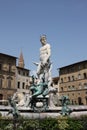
(39, 104)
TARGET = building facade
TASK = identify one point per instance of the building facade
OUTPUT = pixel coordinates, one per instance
(7, 76)
(73, 82)
(13, 78)
(22, 76)
(23, 80)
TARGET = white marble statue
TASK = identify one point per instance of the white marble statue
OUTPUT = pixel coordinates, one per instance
(21, 99)
(44, 66)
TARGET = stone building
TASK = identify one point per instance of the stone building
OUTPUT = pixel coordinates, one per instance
(13, 78)
(56, 83)
(22, 76)
(7, 76)
(73, 82)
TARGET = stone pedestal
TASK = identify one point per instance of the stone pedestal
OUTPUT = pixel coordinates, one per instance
(51, 112)
(39, 104)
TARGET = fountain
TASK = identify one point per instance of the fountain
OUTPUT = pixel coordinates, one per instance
(40, 103)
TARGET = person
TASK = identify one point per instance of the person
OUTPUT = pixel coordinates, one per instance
(45, 65)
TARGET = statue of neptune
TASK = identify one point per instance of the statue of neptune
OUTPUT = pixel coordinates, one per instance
(44, 66)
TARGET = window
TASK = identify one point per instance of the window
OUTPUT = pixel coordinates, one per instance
(73, 87)
(61, 88)
(56, 82)
(9, 68)
(72, 78)
(69, 87)
(27, 87)
(0, 66)
(18, 84)
(86, 100)
(84, 66)
(79, 100)
(75, 102)
(69, 78)
(0, 82)
(23, 84)
(85, 85)
(61, 80)
(9, 83)
(19, 71)
(1, 97)
(84, 75)
(72, 94)
(79, 67)
(27, 74)
(73, 69)
(24, 73)
(68, 94)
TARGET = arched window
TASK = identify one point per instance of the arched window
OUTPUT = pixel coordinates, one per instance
(84, 75)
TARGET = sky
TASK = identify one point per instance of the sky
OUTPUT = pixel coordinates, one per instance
(64, 22)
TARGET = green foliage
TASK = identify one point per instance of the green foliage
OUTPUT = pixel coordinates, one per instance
(63, 123)
(30, 124)
(74, 124)
(83, 120)
(0, 115)
(9, 127)
(3, 123)
(44, 124)
(49, 124)
(60, 123)
(66, 123)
